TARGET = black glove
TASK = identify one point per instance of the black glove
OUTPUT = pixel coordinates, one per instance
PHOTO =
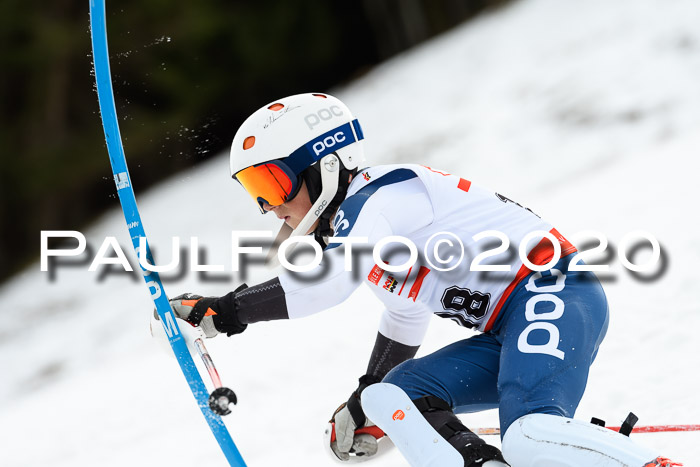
(212, 314)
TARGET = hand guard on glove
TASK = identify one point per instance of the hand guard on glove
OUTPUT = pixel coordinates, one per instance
(353, 435)
(208, 313)
(197, 311)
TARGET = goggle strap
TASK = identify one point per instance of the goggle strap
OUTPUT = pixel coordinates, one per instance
(323, 145)
(357, 129)
(310, 153)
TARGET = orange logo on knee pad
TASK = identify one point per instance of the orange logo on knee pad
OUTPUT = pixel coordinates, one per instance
(398, 415)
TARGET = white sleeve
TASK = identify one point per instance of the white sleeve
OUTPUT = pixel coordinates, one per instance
(405, 327)
(310, 292)
(399, 209)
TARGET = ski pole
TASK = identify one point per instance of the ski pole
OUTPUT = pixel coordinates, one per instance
(221, 397)
(660, 428)
(639, 429)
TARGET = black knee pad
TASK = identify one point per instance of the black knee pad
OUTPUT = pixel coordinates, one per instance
(473, 449)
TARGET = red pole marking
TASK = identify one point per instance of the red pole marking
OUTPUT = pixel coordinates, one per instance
(487, 431)
(208, 363)
(660, 428)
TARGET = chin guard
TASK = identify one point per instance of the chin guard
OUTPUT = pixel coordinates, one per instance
(333, 191)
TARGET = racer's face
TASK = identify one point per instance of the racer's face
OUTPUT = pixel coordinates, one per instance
(293, 211)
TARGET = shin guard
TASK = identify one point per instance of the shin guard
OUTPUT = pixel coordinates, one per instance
(425, 439)
(541, 439)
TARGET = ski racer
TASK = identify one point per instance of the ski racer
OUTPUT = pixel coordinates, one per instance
(541, 318)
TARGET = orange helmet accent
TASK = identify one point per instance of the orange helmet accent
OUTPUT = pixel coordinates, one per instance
(249, 142)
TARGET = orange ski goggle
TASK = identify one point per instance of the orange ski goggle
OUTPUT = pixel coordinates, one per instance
(273, 183)
(278, 181)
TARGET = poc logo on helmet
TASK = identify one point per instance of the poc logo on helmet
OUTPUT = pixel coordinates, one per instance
(314, 119)
(328, 142)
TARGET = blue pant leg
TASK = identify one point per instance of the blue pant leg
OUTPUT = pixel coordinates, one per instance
(542, 372)
(464, 374)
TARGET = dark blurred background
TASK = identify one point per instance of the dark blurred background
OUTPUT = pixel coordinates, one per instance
(185, 75)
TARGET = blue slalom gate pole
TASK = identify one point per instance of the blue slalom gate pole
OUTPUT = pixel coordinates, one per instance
(117, 159)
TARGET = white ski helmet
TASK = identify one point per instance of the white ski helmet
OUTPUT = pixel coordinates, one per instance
(306, 137)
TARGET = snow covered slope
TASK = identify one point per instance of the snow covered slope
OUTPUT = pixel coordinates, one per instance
(587, 112)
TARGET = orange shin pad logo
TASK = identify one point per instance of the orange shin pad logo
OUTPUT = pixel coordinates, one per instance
(398, 415)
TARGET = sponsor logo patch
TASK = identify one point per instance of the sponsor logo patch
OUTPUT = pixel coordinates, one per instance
(375, 274)
(121, 180)
(390, 284)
